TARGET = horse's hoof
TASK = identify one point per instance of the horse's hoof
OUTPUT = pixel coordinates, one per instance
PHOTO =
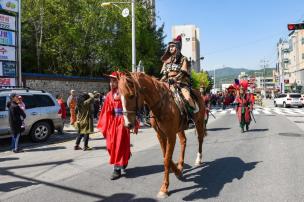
(198, 163)
(179, 175)
(162, 195)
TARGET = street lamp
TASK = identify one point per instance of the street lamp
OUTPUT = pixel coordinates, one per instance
(133, 27)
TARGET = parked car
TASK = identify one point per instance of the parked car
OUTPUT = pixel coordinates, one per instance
(289, 100)
(42, 117)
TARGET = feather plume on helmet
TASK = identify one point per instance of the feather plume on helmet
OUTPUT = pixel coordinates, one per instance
(177, 42)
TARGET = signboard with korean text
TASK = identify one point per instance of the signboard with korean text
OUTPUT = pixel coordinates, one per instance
(7, 82)
(7, 53)
(9, 5)
(7, 22)
(7, 38)
(8, 69)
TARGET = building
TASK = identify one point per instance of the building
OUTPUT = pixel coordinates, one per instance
(190, 43)
(296, 59)
(282, 73)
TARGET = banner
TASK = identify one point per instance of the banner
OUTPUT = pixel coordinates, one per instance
(7, 53)
(9, 5)
(8, 69)
(7, 38)
(7, 82)
(7, 22)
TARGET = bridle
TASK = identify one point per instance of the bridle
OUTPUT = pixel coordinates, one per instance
(136, 111)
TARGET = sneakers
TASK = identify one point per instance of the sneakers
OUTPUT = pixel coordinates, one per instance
(123, 169)
(116, 174)
(87, 148)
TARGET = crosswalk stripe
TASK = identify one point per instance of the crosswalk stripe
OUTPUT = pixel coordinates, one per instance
(261, 111)
(289, 111)
(278, 111)
(266, 111)
(300, 111)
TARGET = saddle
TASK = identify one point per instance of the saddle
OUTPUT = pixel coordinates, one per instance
(183, 106)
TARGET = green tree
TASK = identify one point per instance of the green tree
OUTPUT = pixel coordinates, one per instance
(78, 37)
(200, 79)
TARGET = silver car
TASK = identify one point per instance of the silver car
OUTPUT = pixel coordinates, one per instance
(42, 117)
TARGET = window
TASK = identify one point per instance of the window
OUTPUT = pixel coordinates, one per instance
(29, 101)
(44, 101)
(295, 95)
(302, 56)
(302, 40)
(2, 103)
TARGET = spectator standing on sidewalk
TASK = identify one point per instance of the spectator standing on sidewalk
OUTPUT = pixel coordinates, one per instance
(16, 117)
(84, 122)
(62, 111)
(71, 102)
(96, 104)
(111, 125)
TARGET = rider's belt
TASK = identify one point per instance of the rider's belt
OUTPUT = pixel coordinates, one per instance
(118, 111)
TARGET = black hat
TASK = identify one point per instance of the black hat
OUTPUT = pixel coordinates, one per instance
(13, 95)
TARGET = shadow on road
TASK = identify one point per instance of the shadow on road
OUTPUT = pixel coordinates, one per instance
(99, 148)
(126, 197)
(143, 171)
(45, 149)
(28, 181)
(8, 159)
(258, 130)
(12, 186)
(217, 129)
(211, 177)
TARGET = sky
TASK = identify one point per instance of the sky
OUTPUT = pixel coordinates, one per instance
(233, 33)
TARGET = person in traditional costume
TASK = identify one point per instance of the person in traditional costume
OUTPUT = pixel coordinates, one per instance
(71, 102)
(244, 106)
(176, 71)
(111, 125)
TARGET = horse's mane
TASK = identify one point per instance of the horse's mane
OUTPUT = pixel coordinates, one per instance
(132, 81)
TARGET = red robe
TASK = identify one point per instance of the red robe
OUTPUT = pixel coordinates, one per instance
(111, 125)
(244, 106)
(62, 110)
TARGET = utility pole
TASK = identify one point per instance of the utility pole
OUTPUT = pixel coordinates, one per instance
(264, 64)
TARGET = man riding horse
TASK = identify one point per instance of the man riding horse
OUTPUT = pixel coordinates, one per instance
(176, 71)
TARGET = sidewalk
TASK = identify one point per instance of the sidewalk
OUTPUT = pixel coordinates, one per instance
(59, 161)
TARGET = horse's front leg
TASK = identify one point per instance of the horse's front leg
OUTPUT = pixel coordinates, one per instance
(201, 133)
(183, 141)
(171, 139)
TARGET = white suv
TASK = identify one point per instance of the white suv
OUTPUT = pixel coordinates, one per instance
(41, 113)
(289, 100)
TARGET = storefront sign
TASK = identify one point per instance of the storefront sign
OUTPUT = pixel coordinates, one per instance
(7, 22)
(7, 82)
(7, 38)
(7, 53)
(9, 5)
(8, 69)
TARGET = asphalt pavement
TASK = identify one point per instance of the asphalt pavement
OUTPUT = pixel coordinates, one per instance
(264, 164)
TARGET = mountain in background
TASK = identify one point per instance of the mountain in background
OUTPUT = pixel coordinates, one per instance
(228, 74)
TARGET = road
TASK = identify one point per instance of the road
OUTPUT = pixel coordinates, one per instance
(264, 164)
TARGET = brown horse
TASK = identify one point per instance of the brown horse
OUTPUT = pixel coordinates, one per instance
(166, 119)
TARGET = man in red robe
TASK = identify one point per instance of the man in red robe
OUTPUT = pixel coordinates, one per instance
(243, 107)
(111, 125)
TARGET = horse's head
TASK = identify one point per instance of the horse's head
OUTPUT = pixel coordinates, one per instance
(132, 99)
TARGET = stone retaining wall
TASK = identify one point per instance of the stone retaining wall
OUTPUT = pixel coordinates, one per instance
(63, 85)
